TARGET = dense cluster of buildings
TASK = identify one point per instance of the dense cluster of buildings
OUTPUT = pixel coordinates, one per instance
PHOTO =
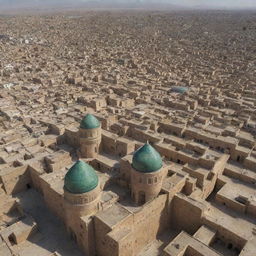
(136, 151)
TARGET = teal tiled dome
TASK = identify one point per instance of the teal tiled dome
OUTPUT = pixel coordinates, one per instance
(80, 178)
(179, 89)
(89, 122)
(146, 159)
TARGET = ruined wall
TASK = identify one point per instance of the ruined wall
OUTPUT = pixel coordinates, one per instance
(123, 148)
(224, 234)
(16, 179)
(250, 164)
(35, 177)
(108, 144)
(71, 138)
(186, 213)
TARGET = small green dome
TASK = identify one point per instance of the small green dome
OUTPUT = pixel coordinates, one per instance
(179, 89)
(89, 122)
(146, 159)
(80, 178)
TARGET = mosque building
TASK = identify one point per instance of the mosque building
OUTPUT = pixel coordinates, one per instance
(83, 192)
(121, 194)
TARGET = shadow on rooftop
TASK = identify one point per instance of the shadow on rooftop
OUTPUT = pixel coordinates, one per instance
(51, 235)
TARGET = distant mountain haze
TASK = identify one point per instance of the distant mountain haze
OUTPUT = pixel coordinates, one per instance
(16, 4)
(132, 3)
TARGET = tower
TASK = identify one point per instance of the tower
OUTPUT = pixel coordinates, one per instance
(81, 190)
(89, 136)
(147, 174)
(81, 199)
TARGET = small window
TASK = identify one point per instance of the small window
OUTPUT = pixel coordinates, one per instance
(149, 181)
(155, 179)
(230, 246)
(140, 180)
(11, 239)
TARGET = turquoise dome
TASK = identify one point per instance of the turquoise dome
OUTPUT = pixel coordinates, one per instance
(179, 89)
(80, 178)
(89, 122)
(146, 159)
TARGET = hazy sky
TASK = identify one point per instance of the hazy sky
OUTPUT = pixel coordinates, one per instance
(186, 3)
(220, 3)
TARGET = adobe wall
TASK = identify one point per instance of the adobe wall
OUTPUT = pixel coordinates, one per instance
(184, 158)
(170, 129)
(220, 164)
(108, 144)
(138, 135)
(199, 176)
(186, 213)
(168, 152)
(239, 175)
(175, 156)
(86, 237)
(150, 221)
(16, 179)
(57, 160)
(35, 177)
(236, 206)
(125, 172)
(224, 234)
(82, 231)
(101, 229)
(126, 243)
(251, 209)
(236, 154)
(105, 245)
(71, 138)
(144, 225)
(216, 143)
(53, 199)
(123, 148)
(250, 164)
(215, 172)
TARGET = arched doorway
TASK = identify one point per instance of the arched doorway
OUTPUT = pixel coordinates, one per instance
(142, 197)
